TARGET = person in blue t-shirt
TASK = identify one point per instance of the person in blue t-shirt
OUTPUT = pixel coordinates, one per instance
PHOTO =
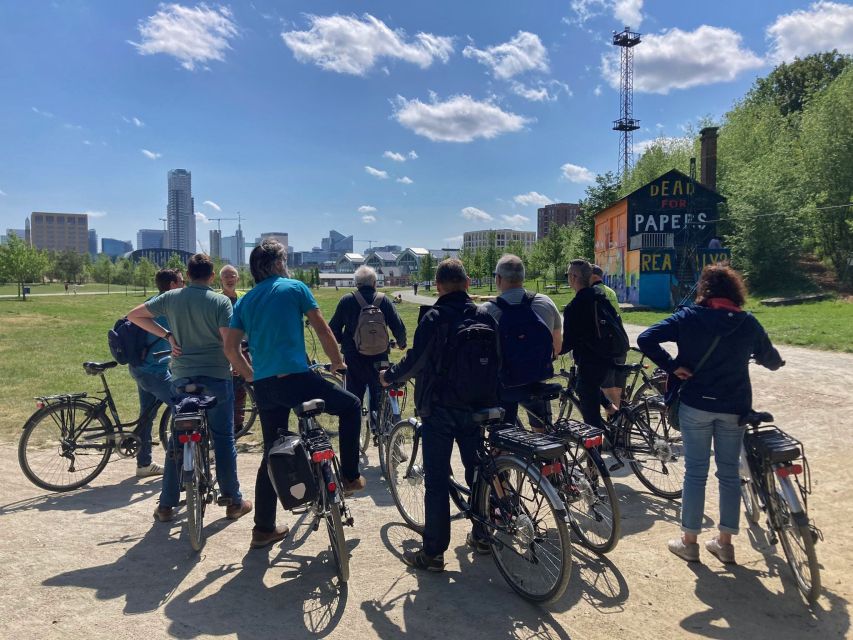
(270, 315)
(153, 379)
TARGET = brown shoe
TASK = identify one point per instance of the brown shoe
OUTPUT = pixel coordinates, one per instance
(164, 514)
(237, 511)
(262, 539)
(351, 486)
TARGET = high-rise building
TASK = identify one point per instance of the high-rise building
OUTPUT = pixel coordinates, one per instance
(116, 248)
(473, 240)
(234, 248)
(93, 242)
(274, 235)
(180, 212)
(151, 239)
(60, 231)
(215, 243)
(20, 233)
(561, 214)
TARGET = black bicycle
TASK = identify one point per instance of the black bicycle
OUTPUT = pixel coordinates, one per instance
(641, 384)
(524, 519)
(775, 479)
(378, 424)
(68, 441)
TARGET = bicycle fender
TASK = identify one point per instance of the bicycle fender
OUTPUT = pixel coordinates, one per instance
(544, 485)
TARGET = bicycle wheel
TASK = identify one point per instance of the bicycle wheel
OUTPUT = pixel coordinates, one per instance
(655, 453)
(405, 473)
(750, 498)
(195, 490)
(530, 540)
(592, 503)
(798, 540)
(337, 539)
(165, 429)
(386, 422)
(247, 412)
(64, 446)
(648, 389)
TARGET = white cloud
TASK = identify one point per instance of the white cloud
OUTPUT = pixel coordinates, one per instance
(453, 240)
(473, 213)
(525, 52)
(822, 27)
(3, 193)
(413, 155)
(677, 59)
(597, 91)
(405, 180)
(88, 143)
(376, 173)
(136, 122)
(73, 127)
(212, 205)
(193, 35)
(532, 199)
(515, 221)
(576, 173)
(368, 219)
(151, 155)
(542, 92)
(201, 217)
(629, 12)
(457, 119)
(46, 114)
(396, 157)
(366, 208)
(667, 143)
(347, 44)
(95, 214)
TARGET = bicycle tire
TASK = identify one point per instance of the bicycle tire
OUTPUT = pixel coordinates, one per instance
(751, 508)
(387, 420)
(250, 410)
(43, 431)
(592, 504)
(656, 455)
(195, 501)
(404, 446)
(797, 539)
(514, 520)
(338, 540)
(647, 389)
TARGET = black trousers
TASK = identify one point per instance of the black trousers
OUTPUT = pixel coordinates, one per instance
(276, 397)
(361, 375)
(591, 376)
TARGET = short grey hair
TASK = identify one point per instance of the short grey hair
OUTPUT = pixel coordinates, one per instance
(226, 268)
(365, 276)
(511, 268)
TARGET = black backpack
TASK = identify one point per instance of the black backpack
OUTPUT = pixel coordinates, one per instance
(609, 339)
(527, 346)
(128, 343)
(469, 363)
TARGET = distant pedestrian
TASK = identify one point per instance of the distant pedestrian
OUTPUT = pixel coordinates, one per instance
(415, 287)
(66, 288)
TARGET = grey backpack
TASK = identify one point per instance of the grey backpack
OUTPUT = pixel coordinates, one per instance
(371, 332)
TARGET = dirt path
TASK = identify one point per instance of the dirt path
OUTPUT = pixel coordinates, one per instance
(92, 564)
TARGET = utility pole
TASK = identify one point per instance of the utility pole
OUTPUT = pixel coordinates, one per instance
(626, 124)
(165, 232)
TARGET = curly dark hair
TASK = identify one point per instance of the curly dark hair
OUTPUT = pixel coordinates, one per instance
(719, 281)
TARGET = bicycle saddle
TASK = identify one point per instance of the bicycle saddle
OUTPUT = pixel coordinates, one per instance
(311, 408)
(754, 418)
(634, 366)
(193, 404)
(493, 414)
(94, 368)
(544, 390)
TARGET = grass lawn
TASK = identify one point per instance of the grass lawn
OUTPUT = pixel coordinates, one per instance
(56, 287)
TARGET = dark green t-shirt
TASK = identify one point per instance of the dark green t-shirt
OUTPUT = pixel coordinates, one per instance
(195, 314)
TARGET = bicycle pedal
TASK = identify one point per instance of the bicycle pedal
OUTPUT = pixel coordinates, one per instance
(616, 466)
(349, 522)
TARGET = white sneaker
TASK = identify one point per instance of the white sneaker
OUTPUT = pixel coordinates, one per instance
(152, 469)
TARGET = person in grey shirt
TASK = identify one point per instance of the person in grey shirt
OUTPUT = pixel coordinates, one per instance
(509, 280)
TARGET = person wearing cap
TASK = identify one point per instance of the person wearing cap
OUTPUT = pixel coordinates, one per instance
(615, 380)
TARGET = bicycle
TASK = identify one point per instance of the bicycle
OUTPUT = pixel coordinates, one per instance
(378, 424)
(772, 464)
(524, 519)
(190, 430)
(329, 503)
(581, 478)
(642, 384)
(69, 439)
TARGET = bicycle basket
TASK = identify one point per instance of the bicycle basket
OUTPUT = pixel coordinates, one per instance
(773, 445)
(524, 443)
(573, 431)
(290, 471)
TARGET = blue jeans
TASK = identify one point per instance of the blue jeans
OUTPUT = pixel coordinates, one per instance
(153, 388)
(220, 421)
(698, 429)
(440, 429)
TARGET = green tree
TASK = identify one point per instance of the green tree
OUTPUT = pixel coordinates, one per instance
(69, 265)
(427, 268)
(21, 263)
(176, 262)
(144, 275)
(517, 248)
(103, 270)
(550, 254)
(599, 196)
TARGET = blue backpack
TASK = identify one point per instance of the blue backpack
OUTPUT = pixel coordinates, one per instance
(527, 346)
(128, 343)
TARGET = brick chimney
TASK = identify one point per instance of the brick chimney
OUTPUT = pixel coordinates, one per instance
(709, 157)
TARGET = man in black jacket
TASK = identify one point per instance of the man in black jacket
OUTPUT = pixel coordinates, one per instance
(579, 337)
(444, 420)
(361, 373)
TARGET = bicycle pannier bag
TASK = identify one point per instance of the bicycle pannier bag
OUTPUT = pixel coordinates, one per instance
(610, 339)
(289, 468)
(127, 342)
(371, 332)
(470, 363)
(526, 344)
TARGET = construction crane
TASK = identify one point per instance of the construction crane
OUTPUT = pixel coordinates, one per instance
(370, 243)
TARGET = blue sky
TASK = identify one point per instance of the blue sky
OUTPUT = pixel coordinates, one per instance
(398, 122)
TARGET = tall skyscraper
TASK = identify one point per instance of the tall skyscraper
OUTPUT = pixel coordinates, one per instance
(151, 239)
(93, 243)
(215, 243)
(180, 212)
(233, 248)
(60, 231)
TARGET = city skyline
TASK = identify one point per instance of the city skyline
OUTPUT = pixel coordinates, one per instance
(402, 124)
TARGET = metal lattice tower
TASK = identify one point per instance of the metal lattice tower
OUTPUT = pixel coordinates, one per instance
(626, 124)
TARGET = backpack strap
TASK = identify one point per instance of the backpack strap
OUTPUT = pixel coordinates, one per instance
(502, 304)
(377, 298)
(528, 298)
(360, 299)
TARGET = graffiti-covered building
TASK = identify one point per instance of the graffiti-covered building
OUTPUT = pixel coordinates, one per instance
(653, 243)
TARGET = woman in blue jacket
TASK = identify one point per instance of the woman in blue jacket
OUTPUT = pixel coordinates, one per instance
(719, 334)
